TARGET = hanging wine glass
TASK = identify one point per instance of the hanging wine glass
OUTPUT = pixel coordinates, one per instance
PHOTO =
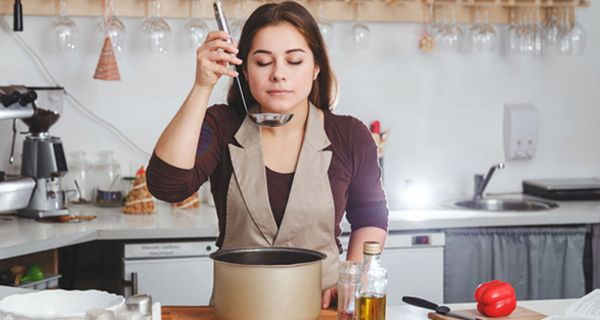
(577, 37)
(156, 31)
(325, 26)
(537, 34)
(483, 34)
(113, 27)
(195, 27)
(360, 30)
(551, 28)
(65, 29)
(512, 31)
(449, 34)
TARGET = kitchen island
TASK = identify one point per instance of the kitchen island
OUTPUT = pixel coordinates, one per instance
(398, 312)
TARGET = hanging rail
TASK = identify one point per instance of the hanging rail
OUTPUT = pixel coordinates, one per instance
(334, 10)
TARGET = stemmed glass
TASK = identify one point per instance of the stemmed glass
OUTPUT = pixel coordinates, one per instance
(483, 35)
(448, 34)
(360, 30)
(156, 31)
(513, 31)
(236, 24)
(65, 29)
(573, 37)
(325, 26)
(195, 27)
(532, 33)
(551, 28)
(112, 26)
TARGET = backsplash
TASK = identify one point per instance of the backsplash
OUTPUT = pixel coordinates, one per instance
(444, 111)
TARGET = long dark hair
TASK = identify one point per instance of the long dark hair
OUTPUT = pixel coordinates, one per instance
(323, 91)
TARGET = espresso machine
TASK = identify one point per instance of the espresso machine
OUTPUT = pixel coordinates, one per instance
(43, 158)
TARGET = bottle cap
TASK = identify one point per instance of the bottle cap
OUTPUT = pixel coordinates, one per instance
(372, 247)
(141, 303)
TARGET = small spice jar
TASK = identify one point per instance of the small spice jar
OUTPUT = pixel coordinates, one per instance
(348, 287)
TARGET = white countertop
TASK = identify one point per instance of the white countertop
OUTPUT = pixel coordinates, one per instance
(406, 312)
(20, 236)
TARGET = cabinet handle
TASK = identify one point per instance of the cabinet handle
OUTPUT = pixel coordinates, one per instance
(133, 283)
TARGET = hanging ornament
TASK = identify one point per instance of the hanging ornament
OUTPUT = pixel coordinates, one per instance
(107, 68)
(426, 40)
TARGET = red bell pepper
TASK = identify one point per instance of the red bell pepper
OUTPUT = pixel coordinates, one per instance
(495, 298)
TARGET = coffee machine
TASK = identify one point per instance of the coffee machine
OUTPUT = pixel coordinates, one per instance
(43, 158)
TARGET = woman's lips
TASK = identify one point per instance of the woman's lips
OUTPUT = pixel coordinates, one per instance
(278, 92)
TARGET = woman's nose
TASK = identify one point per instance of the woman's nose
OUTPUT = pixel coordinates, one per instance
(278, 73)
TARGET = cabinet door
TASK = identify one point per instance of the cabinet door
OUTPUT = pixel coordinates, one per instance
(414, 272)
(173, 281)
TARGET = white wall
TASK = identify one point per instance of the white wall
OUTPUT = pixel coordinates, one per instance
(444, 111)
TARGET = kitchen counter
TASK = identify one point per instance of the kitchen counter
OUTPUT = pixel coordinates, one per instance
(20, 236)
(406, 312)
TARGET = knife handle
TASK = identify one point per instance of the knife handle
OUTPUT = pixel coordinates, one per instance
(418, 302)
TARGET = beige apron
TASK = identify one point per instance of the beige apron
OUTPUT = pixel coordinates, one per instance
(309, 217)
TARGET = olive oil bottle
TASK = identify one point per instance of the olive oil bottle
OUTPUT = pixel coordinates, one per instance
(372, 297)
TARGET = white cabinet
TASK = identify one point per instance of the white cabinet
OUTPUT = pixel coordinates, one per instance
(415, 264)
(173, 273)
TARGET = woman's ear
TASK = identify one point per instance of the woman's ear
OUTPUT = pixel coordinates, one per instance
(316, 74)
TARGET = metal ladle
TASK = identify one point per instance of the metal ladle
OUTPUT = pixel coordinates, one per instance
(262, 119)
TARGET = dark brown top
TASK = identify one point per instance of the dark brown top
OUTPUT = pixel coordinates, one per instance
(354, 172)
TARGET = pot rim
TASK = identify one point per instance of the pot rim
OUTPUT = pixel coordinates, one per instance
(218, 256)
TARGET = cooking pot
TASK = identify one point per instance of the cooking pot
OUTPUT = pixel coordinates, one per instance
(267, 283)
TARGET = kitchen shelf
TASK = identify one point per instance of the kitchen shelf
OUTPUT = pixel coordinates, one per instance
(333, 10)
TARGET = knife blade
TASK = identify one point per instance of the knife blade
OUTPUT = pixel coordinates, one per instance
(460, 316)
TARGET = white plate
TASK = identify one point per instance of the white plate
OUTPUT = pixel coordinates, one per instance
(58, 304)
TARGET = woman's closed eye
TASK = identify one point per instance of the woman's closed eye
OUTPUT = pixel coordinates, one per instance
(263, 63)
(266, 63)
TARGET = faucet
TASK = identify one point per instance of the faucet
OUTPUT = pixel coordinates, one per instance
(481, 182)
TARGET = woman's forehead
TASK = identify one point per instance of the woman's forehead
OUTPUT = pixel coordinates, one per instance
(279, 39)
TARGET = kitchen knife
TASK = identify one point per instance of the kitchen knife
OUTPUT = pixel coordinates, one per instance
(443, 310)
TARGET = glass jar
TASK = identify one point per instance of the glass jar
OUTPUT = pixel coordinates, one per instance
(79, 179)
(348, 286)
(108, 187)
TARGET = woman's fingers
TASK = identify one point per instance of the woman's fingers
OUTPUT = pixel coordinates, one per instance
(328, 296)
(214, 57)
(220, 56)
(216, 35)
(223, 70)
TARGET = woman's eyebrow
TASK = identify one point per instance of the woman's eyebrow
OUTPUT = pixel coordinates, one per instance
(269, 52)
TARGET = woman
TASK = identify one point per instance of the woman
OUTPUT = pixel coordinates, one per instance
(286, 186)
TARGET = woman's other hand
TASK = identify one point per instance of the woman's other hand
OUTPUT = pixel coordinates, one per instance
(328, 297)
(213, 58)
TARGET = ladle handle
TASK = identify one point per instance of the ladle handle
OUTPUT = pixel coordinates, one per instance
(11, 159)
(223, 26)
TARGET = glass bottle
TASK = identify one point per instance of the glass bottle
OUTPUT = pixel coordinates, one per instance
(348, 287)
(372, 297)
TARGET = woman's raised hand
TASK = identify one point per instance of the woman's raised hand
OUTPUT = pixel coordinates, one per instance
(213, 58)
